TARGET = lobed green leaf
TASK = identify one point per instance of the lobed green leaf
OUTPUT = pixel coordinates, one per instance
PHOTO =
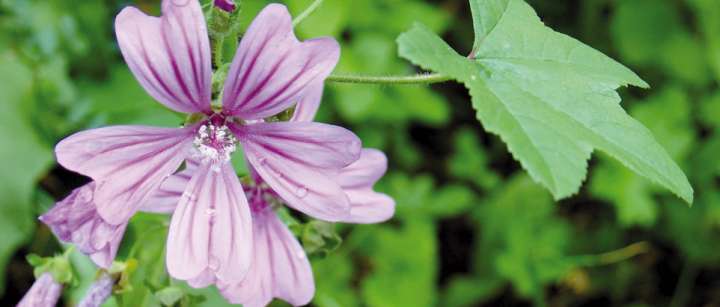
(552, 99)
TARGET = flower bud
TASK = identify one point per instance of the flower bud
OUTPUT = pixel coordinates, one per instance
(75, 220)
(44, 292)
(225, 5)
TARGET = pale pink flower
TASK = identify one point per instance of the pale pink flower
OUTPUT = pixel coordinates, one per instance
(75, 220)
(357, 179)
(45, 292)
(280, 268)
(210, 234)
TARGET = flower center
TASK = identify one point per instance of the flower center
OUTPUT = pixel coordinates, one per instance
(215, 142)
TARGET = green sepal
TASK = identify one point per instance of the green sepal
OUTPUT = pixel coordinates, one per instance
(58, 266)
(122, 272)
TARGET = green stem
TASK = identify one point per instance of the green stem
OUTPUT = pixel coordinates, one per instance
(309, 10)
(218, 52)
(417, 79)
(615, 256)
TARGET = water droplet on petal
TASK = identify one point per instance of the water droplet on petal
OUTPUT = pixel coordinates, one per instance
(210, 211)
(188, 195)
(301, 192)
(300, 254)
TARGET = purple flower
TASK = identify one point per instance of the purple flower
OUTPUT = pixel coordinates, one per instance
(357, 179)
(99, 292)
(210, 234)
(75, 220)
(225, 5)
(45, 292)
(280, 267)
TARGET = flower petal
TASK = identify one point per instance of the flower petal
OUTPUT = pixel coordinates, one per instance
(289, 160)
(169, 55)
(311, 144)
(365, 171)
(301, 187)
(272, 69)
(367, 207)
(308, 104)
(167, 196)
(280, 268)
(211, 228)
(127, 163)
(75, 220)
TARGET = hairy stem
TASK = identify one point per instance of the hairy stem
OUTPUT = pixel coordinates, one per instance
(218, 51)
(416, 79)
(307, 12)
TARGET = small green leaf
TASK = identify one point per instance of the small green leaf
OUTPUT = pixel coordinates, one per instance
(319, 238)
(169, 296)
(552, 99)
(59, 266)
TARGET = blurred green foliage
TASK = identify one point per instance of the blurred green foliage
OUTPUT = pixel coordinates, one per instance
(471, 228)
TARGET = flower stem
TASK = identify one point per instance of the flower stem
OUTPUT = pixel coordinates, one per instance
(307, 12)
(416, 79)
(218, 52)
(615, 256)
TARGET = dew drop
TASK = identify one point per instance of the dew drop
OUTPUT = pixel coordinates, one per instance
(301, 192)
(300, 254)
(188, 195)
(210, 212)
